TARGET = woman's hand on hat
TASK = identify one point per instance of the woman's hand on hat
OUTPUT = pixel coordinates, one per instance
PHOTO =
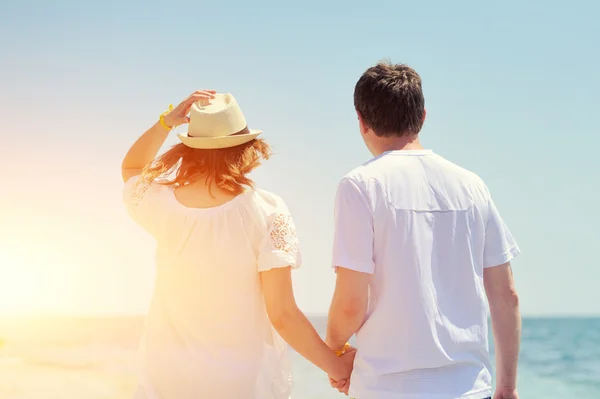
(178, 115)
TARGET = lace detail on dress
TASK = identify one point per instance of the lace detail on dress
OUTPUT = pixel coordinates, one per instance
(283, 234)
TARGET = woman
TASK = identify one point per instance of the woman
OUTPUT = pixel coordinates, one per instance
(223, 296)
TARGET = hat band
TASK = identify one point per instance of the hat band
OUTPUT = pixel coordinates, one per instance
(243, 131)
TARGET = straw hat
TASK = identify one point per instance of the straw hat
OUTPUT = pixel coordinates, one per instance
(217, 123)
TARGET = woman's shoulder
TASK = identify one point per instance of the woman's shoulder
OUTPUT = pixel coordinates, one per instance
(269, 201)
(136, 188)
(267, 196)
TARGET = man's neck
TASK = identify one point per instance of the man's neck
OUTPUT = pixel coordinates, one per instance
(385, 144)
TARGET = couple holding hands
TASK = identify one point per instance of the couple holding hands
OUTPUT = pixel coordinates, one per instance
(419, 250)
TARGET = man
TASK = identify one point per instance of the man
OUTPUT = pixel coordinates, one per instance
(418, 245)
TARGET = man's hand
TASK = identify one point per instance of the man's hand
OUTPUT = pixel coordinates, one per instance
(506, 394)
(348, 361)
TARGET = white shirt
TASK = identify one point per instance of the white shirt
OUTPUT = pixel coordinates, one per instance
(207, 334)
(425, 229)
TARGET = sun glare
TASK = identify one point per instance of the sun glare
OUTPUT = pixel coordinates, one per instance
(22, 287)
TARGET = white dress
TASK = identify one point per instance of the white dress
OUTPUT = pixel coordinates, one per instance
(207, 334)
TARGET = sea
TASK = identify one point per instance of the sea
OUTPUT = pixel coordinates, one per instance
(92, 358)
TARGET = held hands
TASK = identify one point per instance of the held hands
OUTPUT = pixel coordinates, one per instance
(178, 115)
(341, 380)
(506, 394)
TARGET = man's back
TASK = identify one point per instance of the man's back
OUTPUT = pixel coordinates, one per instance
(430, 228)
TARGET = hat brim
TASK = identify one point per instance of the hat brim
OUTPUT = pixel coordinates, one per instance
(218, 142)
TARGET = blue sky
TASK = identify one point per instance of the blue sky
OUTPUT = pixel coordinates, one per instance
(511, 91)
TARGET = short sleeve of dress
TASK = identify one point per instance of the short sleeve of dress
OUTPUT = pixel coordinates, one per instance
(280, 246)
(144, 204)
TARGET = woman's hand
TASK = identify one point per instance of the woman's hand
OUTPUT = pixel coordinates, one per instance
(178, 116)
(144, 150)
(341, 381)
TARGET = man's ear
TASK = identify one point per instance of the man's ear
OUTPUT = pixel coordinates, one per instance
(361, 123)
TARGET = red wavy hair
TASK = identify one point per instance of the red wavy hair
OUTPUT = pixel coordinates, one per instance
(228, 168)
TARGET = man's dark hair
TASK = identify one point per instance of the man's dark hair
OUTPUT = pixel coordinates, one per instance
(390, 99)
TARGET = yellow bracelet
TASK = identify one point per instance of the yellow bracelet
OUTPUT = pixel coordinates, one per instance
(162, 118)
(340, 352)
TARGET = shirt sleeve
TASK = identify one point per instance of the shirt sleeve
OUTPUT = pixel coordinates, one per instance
(144, 204)
(353, 229)
(280, 246)
(500, 246)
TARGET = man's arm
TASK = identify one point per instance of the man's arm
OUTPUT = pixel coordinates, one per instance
(506, 324)
(353, 261)
(348, 307)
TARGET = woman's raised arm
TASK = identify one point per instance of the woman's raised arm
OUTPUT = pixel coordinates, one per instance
(144, 150)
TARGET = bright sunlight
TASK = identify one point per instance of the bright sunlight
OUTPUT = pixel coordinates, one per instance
(30, 282)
